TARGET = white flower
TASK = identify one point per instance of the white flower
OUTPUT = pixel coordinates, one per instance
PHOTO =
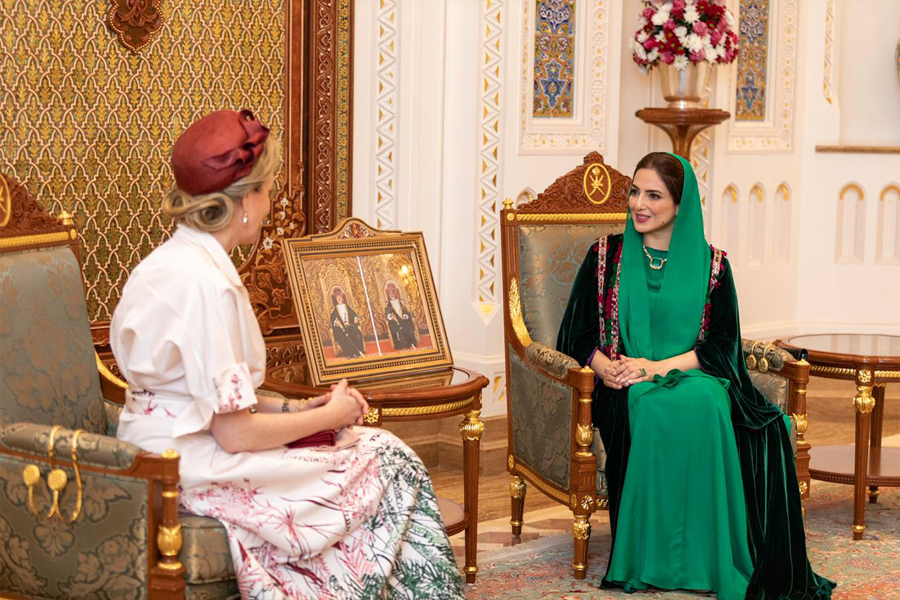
(642, 37)
(694, 43)
(661, 16)
(660, 37)
(267, 243)
(691, 15)
(681, 32)
(640, 52)
(729, 18)
(681, 62)
(711, 54)
(653, 54)
(720, 50)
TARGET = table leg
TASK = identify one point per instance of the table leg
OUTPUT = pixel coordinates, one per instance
(863, 402)
(471, 429)
(877, 422)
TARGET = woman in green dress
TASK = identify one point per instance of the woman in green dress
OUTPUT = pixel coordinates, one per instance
(700, 471)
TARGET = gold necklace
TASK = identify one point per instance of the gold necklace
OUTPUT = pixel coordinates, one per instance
(662, 261)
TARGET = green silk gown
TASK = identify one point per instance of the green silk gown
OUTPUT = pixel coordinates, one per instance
(700, 472)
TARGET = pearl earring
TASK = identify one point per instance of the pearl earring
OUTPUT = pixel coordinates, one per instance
(246, 219)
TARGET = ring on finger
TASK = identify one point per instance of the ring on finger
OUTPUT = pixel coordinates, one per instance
(643, 372)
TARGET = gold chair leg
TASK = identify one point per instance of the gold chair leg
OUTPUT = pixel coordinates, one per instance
(517, 498)
(581, 532)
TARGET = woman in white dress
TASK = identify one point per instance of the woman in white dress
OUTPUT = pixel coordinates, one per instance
(315, 522)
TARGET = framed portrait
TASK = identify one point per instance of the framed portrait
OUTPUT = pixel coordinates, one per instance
(366, 303)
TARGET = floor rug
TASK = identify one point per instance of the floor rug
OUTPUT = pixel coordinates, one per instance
(866, 569)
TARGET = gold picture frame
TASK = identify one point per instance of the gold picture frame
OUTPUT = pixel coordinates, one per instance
(366, 303)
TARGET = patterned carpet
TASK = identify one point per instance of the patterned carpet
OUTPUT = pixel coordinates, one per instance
(868, 569)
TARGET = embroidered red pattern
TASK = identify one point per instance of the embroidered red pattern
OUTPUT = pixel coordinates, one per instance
(717, 268)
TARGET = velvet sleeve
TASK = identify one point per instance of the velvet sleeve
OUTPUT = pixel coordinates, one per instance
(720, 355)
(579, 333)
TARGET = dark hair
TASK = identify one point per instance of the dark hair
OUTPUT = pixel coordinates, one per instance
(334, 294)
(669, 170)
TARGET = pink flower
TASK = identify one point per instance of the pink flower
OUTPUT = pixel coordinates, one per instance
(701, 28)
(667, 57)
(697, 57)
(678, 8)
(650, 44)
(722, 26)
(714, 37)
(649, 12)
(670, 25)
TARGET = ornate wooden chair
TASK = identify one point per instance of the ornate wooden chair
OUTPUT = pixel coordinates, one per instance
(107, 526)
(552, 442)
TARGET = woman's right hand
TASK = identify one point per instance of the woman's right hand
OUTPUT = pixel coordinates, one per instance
(343, 408)
(609, 375)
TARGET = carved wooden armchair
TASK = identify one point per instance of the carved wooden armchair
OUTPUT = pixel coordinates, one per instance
(82, 514)
(553, 444)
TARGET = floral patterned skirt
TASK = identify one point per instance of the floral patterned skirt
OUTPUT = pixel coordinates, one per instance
(359, 522)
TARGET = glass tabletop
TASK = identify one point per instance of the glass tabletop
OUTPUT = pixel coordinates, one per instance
(298, 374)
(850, 343)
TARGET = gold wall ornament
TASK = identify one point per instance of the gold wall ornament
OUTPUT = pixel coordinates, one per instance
(517, 487)
(802, 422)
(32, 476)
(581, 528)
(135, 22)
(597, 183)
(515, 313)
(168, 540)
(864, 401)
(471, 426)
(5, 202)
(78, 501)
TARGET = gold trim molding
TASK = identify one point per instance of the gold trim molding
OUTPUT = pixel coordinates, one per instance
(848, 372)
(515, 313)
(28, 240)
(548, 489)
(109, 375)
(573, 217)
(415, 411)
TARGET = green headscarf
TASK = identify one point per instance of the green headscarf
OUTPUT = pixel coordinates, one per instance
(674, 325)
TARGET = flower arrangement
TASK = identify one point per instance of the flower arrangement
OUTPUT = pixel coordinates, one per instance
(678, 32)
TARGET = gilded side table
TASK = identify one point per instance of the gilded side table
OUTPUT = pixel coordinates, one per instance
(871, 361)
(454, 391)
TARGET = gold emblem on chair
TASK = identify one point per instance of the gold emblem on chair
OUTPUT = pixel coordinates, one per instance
(5, 202)
(597, 184)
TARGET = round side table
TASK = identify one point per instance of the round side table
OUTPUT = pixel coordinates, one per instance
(871, 361)
(454, 391)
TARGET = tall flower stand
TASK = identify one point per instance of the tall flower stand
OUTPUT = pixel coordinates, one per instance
(682, 124)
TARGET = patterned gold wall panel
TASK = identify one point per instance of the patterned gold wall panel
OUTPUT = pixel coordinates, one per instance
(88, 126)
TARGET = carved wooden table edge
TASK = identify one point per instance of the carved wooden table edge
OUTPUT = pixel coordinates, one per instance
(426, 403)
(682, 124)
(871, 375)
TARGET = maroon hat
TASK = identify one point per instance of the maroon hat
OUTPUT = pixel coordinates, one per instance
(217, 150)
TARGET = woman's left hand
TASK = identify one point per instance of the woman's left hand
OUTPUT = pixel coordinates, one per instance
(315, 402)
(636, 370)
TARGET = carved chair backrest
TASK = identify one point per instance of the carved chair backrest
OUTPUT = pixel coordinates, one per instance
(48, 370)
(545, 240)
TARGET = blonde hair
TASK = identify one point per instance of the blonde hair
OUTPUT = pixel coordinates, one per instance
(214, 211)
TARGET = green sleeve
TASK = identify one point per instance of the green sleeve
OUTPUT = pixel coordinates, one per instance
(579, 333)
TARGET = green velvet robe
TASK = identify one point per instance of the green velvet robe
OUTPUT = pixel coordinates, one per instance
(777, 539)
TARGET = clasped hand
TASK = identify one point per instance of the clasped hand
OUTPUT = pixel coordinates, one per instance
(346, 404)
(626, 371)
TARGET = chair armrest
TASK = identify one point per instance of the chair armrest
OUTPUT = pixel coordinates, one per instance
(93, 449)
(550, 360)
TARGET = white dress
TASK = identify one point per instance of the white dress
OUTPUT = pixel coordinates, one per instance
(359, 522)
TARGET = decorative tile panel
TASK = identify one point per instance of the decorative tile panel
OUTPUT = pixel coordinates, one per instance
(554, 58)
(752, 65)
(88, 126)
(491, 99)
(386, 115)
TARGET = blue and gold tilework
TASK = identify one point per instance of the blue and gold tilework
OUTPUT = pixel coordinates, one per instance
(752, 62)
(554, 59)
